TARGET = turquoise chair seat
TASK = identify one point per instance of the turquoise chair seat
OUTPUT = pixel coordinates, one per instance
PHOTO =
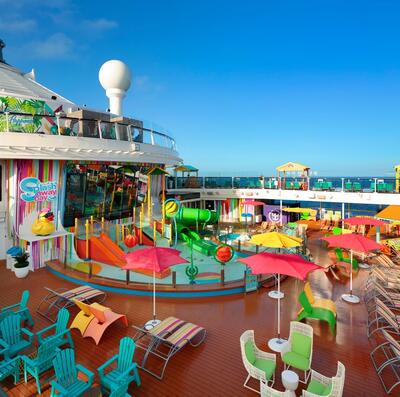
(10, 368)
(296, 360)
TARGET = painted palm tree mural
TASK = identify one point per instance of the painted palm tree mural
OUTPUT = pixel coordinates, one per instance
(28, 115)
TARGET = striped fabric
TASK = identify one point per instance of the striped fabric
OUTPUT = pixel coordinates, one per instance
(81, 293)
(180, 337)
(166, 326)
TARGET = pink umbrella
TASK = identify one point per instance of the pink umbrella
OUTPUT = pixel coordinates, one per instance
(156, 259)
(352, 242)
(365, 221)
(288, 264)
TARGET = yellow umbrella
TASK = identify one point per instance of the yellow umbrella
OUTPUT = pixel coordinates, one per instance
(276, 240)
(299, 210)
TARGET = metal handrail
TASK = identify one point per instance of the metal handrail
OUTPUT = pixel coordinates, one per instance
(164, 141)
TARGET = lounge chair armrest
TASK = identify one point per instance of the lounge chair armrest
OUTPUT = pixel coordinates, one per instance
(4, 309)
(4, 344)
(320, 378)
(89, 374)
(29, 334)
(102, 367)
(126, 372)
(43, 331)
(58, 387)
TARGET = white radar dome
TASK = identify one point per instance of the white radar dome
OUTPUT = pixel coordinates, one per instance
(115, 74)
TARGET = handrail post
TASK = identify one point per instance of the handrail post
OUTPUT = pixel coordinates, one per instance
(342, 184)
(232, 183)
(58, 123)
(7, 122)
(152, 137)
(375, 182)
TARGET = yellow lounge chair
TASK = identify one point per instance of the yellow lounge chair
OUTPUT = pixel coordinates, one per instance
(85, 316)
(327, 304)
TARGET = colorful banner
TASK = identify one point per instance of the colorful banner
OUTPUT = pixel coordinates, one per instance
(34, 190)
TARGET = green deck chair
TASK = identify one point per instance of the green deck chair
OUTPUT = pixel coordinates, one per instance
(59, 330)
(125, 370)
(348, 186)
(316, 313)
(357, 186)
(13, 338)
(21, 308)
(67, 383)
(42, 362)
(341, 258)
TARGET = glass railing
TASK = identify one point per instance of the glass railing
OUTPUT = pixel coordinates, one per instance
(325, 184)
(60, 124)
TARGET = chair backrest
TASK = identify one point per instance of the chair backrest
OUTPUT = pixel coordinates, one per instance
(309, 293)
(24, 300)
(10, 329)
(65, 368)
(126, 352)
(338, 381)
(305, 302)
(46, 352)
(62, 321)
(303, 329)
(246, 341)
(339, 253)
(99, 314)
(83, 306)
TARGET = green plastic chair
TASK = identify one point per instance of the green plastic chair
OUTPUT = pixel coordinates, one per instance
(389, 187)
(59, 330)
(308, 311)
(297, 352)
(67, 383)
(21, 308)
(125, 370)
(348, 186)
(357, 186)
(13, 338)
(42, 362)
(296, 185)
(10, 367)
(341, 258)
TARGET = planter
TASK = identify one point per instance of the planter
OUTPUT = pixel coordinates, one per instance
(21, 272)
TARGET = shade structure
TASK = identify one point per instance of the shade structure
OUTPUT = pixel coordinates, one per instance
(365, 221)
(299, 210)
(253, 203)
(276, 240)
(352, 242)
(291, 166)
(156, 259)
(288, 264)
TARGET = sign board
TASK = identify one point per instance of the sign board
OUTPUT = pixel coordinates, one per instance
(33, 190)
(251, 283)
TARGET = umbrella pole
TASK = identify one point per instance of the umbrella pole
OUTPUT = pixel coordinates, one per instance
(154, 294)
(363, 265)
(350, 297)
(279, 306)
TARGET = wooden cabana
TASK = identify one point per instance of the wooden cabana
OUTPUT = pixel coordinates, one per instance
(302, 170)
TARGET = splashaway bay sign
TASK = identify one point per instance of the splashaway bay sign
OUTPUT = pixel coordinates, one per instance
(32, 190)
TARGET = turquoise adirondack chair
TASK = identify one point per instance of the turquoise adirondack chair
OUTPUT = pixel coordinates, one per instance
(42, 362)
(21, 308)
(13, 338)
(10, 367)
(125, 371)
(67, 383)
(59, 330)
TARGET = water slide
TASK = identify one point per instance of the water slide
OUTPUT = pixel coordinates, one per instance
(103, 249)
(193, 216)
(206, 247)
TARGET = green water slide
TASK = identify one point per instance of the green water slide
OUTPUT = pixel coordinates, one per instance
(193, 216)
(206, 247)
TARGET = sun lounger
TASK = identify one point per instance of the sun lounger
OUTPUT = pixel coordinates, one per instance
(55, 300)
(85, 316)
(101, 321)
(165, 340)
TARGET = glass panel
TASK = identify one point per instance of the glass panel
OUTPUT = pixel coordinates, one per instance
(123, 132)
(247, 183)
(90, 128)
(137, 134)
(218, 182)
(190, 182)
(107, 130)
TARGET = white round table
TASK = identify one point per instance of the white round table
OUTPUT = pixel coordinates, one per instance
(290, 381)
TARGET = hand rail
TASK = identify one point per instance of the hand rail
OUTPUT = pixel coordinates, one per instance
(14, 123)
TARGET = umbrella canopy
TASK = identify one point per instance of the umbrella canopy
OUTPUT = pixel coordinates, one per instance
(291, 166)
(276, 240)
(253, 203)
(153, 258)
(364, 220)
(288, 264)
(299, 210)
(355, 242)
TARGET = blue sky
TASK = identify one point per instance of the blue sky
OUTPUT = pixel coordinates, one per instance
(242, 86)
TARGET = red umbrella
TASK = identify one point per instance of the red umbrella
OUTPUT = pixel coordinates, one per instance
(364, 220)
(156, 259)
(253, 203)
(288, 264)
(352, 242)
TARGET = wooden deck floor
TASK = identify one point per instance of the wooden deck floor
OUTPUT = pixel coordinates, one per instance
(215, 368)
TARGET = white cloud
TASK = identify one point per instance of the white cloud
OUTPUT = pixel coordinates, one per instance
(57, 46)
(99, 24)
(17, 25)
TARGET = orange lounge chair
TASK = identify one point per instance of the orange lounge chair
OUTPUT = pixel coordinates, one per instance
(85, 316)
(101, 321)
